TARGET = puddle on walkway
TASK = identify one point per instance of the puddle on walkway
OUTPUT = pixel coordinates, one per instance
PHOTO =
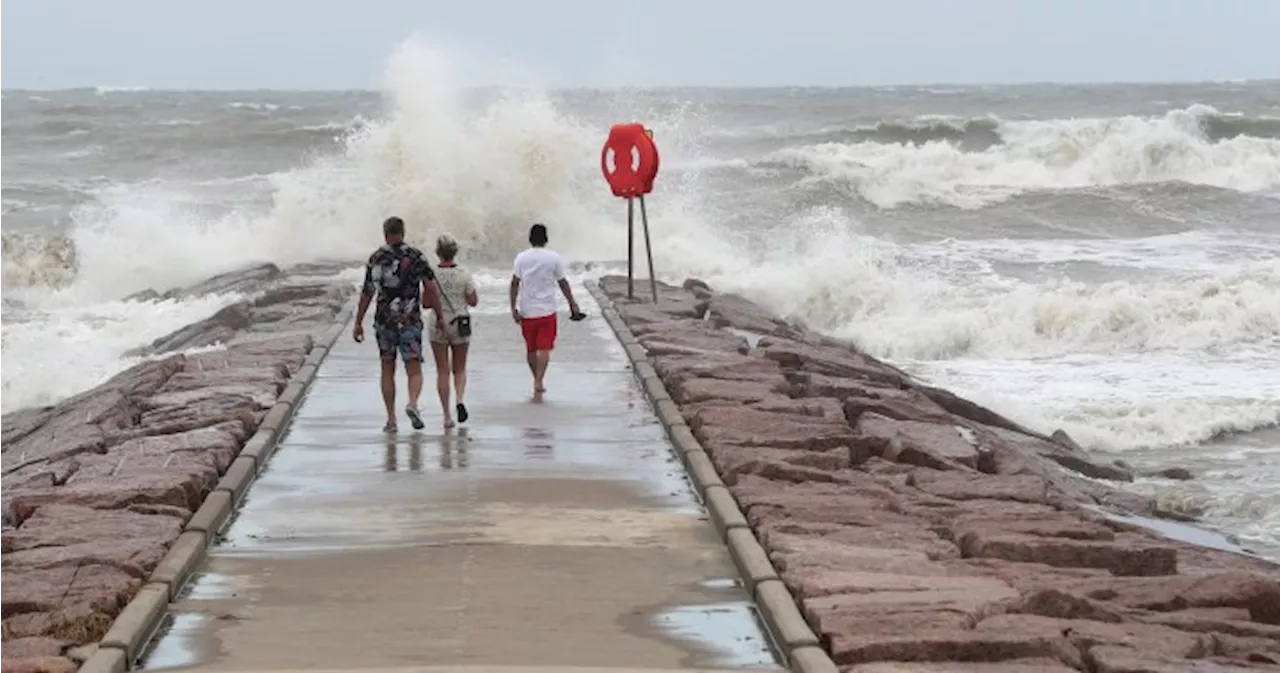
(177, 645)
(209, 586)
(730, 632)
(316, 499)
(721, 583)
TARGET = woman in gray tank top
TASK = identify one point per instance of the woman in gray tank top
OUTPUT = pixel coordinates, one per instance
(457, 296)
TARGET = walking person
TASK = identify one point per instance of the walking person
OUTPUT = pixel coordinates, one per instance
(403, 282)
(539, 271)
(450, 344)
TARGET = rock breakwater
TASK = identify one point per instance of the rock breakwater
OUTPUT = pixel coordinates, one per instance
(98, 487)
(920, 532)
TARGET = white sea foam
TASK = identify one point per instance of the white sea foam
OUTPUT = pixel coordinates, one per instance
(68, 345)
(107, 90)
(255, 106)
(1046, 154)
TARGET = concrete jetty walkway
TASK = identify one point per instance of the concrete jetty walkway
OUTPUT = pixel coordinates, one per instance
(552, 534)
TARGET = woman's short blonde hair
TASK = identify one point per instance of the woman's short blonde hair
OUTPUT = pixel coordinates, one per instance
(446, 247)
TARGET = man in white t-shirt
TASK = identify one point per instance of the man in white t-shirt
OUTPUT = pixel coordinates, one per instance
(538, 273)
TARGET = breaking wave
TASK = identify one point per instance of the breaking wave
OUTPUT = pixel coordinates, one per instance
(974, 163)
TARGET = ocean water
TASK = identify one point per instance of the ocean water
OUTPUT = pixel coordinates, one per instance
(1102, 259)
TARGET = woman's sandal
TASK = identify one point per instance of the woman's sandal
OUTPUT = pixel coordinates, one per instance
(415, 418)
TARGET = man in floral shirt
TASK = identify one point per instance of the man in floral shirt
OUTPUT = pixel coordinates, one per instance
(404, 284)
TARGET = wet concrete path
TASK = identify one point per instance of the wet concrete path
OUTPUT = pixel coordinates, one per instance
(553, 533)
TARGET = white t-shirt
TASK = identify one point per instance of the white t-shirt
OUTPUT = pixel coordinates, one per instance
(540, 270)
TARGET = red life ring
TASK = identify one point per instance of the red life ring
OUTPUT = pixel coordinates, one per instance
(629, 160)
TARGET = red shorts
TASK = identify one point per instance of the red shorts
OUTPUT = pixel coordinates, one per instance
(539, 333)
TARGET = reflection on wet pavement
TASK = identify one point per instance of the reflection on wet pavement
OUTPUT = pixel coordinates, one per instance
(733, 628)
(558, 532)
(452, 450)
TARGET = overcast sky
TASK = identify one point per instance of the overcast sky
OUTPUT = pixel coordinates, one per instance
(336, 44)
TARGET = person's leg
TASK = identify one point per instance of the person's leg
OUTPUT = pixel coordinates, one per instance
(540, 361)
(387, 354)
(411, 352)
(441, 353)
(544, 342)
(529, 329)
(389, 391)
(460, 378)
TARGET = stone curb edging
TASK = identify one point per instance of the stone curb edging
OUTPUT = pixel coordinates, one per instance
(145, 613)
(778, 609)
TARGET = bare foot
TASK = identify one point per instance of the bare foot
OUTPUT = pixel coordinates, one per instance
(448, 422)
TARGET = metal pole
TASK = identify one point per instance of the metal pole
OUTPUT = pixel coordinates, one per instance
(648, 249)
(631, 244)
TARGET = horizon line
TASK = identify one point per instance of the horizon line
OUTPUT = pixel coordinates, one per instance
(125, 89)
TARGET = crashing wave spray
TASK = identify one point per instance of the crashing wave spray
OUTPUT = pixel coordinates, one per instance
(890, 168)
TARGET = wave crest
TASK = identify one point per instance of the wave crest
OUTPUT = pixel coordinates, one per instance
(1198, 145)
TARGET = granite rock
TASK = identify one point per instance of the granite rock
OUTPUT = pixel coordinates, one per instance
(921, 532)
(98, 486)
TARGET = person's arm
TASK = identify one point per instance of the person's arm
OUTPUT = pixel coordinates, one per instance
(367, 291)
(568, 296)
(562, 279)
(431, 291)
(515, 291)
(472, 297)
(431, 299)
